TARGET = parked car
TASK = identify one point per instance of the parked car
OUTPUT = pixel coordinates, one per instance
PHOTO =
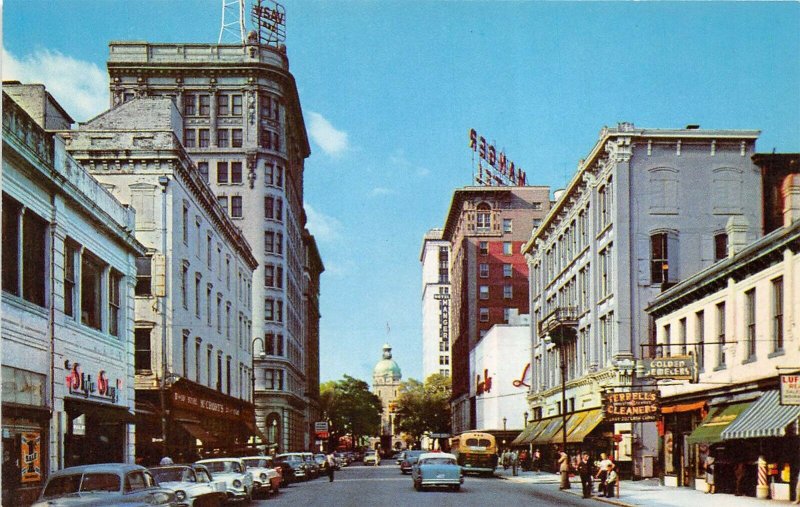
(238, 481)
(342, 458)
(298, 466)
(107, 484)
(437, 469)
(193, 487)
(266, 478)
(399, 457)
(311, 465)
(409, 460)
(372, 458)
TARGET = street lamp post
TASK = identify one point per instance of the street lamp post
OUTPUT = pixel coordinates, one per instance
(504, 423)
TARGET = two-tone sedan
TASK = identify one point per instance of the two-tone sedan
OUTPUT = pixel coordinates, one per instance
(192, 485)
(437, 469)
(266, 478)
(238, 481)
(107, 484)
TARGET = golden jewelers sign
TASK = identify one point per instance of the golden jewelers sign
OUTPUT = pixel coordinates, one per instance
(676, 367)
(632, 406)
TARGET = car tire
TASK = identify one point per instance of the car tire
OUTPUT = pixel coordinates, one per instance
(457, 487)
(417, 486)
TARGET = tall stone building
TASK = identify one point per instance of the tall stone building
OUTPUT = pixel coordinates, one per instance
(435, 259)
(385, 382)
(486, 228)
(243, 128)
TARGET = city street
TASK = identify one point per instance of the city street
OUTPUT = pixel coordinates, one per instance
(361, 486)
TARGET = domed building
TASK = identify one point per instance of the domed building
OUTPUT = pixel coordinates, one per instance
(385, 383)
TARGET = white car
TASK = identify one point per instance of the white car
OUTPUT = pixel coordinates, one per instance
(372, 458)
(238, 481)
(266, 479)
(192, 486)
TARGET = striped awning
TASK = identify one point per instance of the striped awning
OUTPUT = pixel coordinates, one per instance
(766, 417)
(525, 433)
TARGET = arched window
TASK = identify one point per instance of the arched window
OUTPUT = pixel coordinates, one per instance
(483, 218)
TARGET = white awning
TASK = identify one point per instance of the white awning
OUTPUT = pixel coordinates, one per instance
(765, 418)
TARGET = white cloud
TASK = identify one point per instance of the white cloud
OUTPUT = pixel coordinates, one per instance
(325, 228)
(380, 191)
(332, 141)
(80, 87)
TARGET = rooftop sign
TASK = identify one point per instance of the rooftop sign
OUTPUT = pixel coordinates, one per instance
(501, 171)
(269, 20)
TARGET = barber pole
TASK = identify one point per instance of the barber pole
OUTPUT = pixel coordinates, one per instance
(762, 490)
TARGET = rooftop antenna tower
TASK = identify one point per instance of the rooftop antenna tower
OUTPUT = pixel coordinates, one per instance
(232, 29)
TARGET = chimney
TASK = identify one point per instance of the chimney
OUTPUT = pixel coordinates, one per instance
(790, 192)
(736, 229)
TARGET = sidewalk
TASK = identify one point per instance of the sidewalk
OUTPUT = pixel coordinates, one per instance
(646, 492)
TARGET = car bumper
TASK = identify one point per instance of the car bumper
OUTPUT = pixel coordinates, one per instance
(442, 482)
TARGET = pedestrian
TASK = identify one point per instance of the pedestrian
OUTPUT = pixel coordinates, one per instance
(602, 473)
(514, 458)
(585, 473)
(523, 459)
(165, 461)
(537, 461)
(611, 480)
(563, 468)
(710, 468)
(505, 459)
(738, 474)
(330, 463)
(797, 489)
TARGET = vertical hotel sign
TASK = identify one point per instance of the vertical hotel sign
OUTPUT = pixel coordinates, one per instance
(501, 171)
(790, 389)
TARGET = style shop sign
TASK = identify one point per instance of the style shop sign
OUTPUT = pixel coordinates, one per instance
(98, 387)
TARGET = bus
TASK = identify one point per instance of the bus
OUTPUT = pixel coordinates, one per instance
(475, 451)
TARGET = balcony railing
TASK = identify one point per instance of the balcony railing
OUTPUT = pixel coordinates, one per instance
(561, 324)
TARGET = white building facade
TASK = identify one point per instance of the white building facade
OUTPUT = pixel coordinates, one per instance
(193, 293)
(647, 208)
(435, 259)
(68, 277)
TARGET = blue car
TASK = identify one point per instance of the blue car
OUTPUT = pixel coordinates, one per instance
(437, 469)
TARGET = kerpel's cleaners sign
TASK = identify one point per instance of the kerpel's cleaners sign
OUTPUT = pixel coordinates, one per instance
(632, 406)
(790, 389)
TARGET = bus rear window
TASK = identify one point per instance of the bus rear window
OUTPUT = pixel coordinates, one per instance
(484, 442)
(472, 442)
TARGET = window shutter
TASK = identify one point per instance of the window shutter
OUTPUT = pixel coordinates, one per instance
(159, 275)
(673, 252)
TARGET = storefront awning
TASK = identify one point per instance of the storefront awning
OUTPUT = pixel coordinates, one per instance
(584, 426)
(103, 412)
(549, 431)
(252, 430)
(533, 430)
(683, 407)
(765, 418)
(199, 433)
(520, 439)
(710, 430)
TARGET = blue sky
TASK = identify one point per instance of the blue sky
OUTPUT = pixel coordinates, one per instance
(389, 90)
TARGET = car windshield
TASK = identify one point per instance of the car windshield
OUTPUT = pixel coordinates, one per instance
(60, 486)
(256, 462)
(223, 466)
(168, 474)
(281, 459)
(437, 461)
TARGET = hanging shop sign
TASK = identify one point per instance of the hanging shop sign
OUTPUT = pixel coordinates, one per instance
(99, 387)
(790, 389)
(675, 368)
(31, 457)
(632, 406)
(501, 171)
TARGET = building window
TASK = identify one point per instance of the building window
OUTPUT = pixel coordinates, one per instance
(269, 275)
(144, 276)
(202, 168)
(269, 174)
(190, 138)
(508, 248)
(667, 342)
(721, 334)
(508, 270)
(222, 138)
(750, 309)
(236, 206)
(279, 345)
(222, 172)
(682, 337)
(31, 252)
(444, 360)
(279, 311)
(605, 272)
(185, 224)
(185, 349)
(204, 138)
(209, 301)
(189, 104)
(279, 209)
(219, 313)
(269, 207)
(236, 105)
(279, 277)
(508, 292)
(269, 341)
(659, 258)
(228, 375)
(484, 315)
(11, 247)
(484, 248)
(278, 176)
(777, 314)
(197, 277)
(269, 241)
(266, 139)
(209, 250)
(114, 305)
(222, 105)
(219, 371)
(484, 270)
(273, 379)
(700, 339)
(483, 217)
(279, 243)
(205, 104)
(236, 138)
(142, 356)
(506, 225)
(236, 172)
(269, 309)
(197, 360)
(720, 246)
(91, 279)
(222, 200)
(506, 315)
(210, 365)
(484, 292)
(70, 256)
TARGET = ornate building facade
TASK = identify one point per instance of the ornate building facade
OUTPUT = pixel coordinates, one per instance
(385, 383)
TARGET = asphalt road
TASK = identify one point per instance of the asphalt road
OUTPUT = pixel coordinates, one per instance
(360, 486)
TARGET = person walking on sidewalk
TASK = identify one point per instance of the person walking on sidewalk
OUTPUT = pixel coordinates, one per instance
(537, 461)
(602, 472)
(710, 468)
(585, 472)
(563, 468)
(611, 480)
(514, 458)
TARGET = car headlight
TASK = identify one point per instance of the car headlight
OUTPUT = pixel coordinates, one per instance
(263, 477)
(237, 483)
(180, 495)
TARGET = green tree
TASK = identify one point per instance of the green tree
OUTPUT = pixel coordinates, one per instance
(424, 408)
(350, 408)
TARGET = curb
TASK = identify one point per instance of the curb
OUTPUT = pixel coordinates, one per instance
(615, 501)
